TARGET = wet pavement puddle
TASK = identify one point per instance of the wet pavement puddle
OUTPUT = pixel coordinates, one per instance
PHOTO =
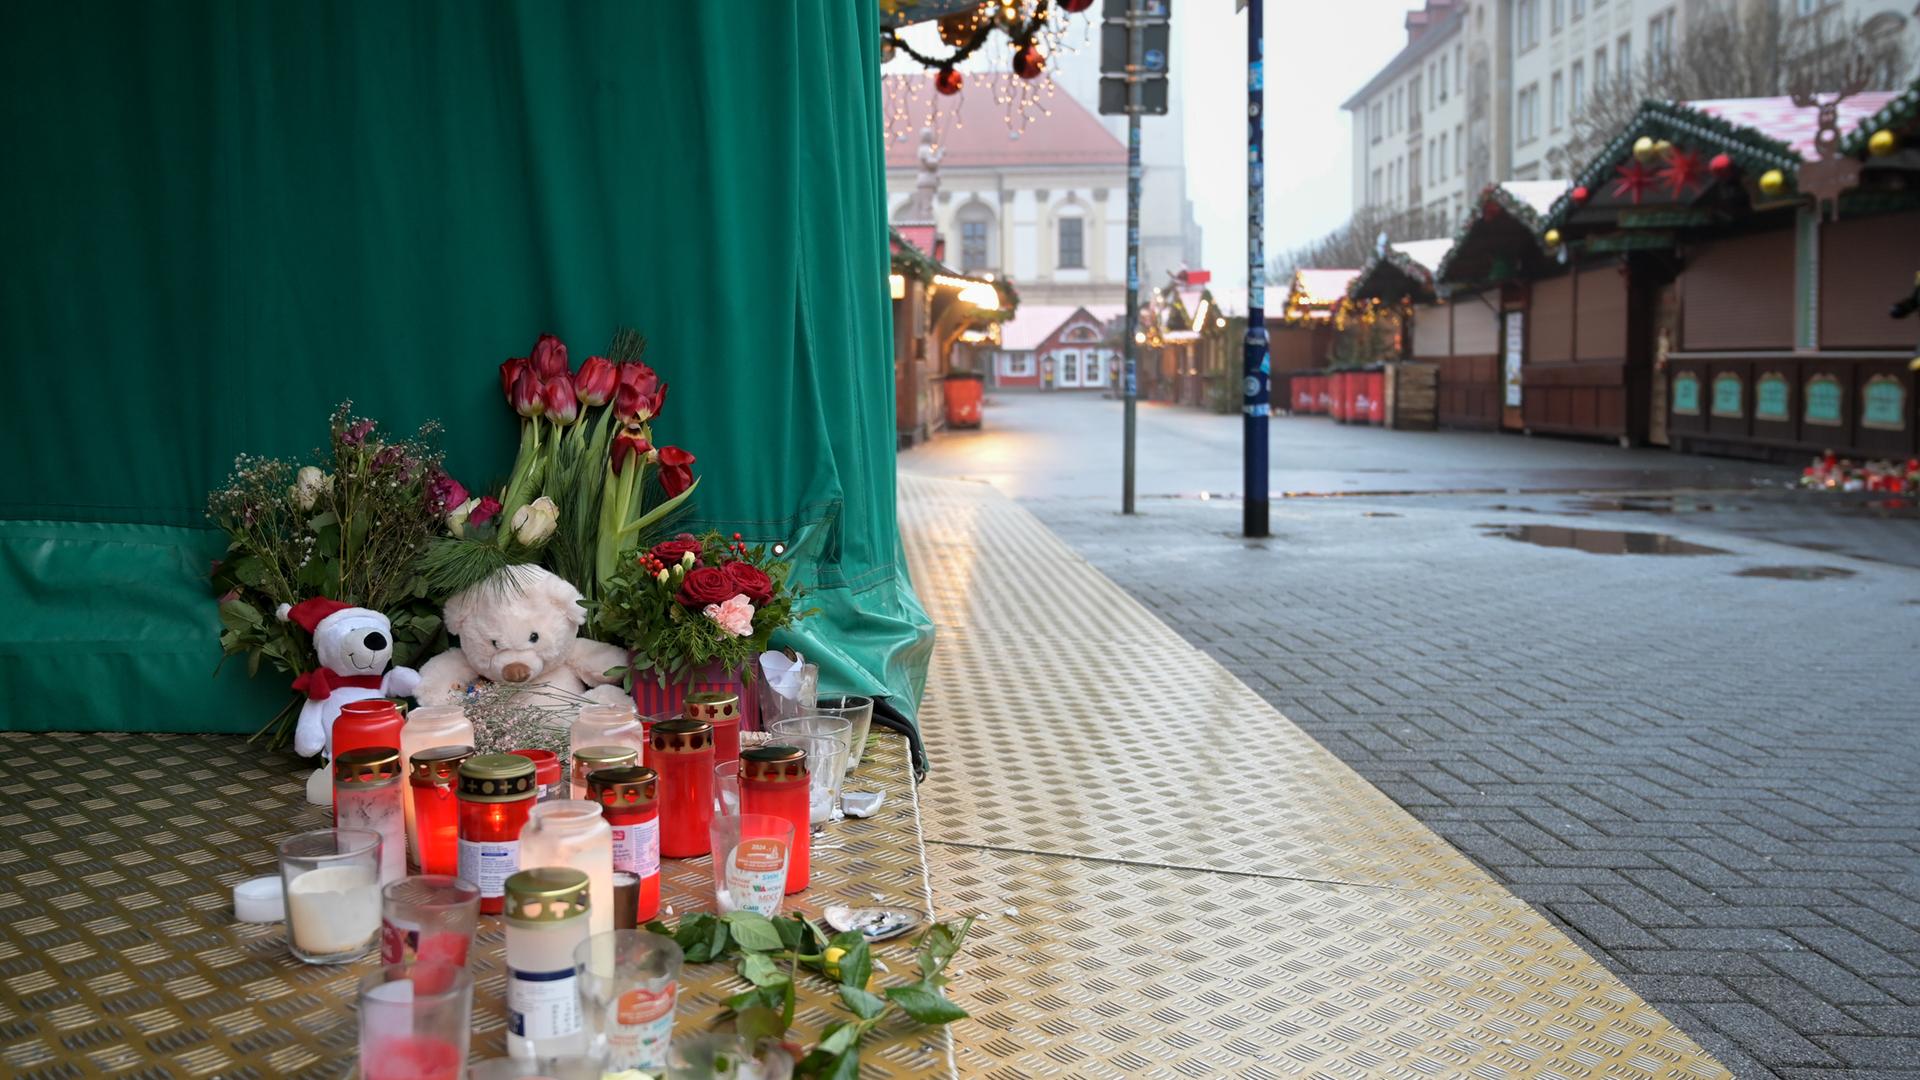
(1795, 573)
(1600, 541)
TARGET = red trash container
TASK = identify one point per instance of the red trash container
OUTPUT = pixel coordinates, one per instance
(1376, 398)
(963, 391)
(1301, 384)
(1323, 394)
(1341, 405)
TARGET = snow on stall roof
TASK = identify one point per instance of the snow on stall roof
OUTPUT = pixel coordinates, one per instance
(1538, 194)
(1321, 287)
(1033, 323)
(1779, 118)
(1427, 253)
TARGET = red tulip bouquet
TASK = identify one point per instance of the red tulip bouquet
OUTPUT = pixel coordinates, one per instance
(588, 481)
(691, 604)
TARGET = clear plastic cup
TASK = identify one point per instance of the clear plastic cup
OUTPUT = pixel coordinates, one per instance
(855, 709)
(414, 1021)
(715, 1055)
(429, 917)
(726, 788)
(332, 879)
(827, 741)
(564, 1067)
(750, 853)
(629, 982)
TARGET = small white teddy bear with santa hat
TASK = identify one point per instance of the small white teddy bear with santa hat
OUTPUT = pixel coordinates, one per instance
(355, 645)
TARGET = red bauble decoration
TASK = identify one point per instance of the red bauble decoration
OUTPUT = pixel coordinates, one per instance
(1489, 210)
(1028, 62)
(1076, 6)
(947, 82)
(1722, 167)
(1580, 195)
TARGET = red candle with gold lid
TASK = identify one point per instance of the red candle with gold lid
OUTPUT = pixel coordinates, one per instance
(629, 799)
(773, 781)
(721, 708)
(368, 722)
(681, 752)
(496, 795)
(433, 775)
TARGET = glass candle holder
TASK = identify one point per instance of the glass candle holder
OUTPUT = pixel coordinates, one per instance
(368, 794)
(856, 710)
(434, 781)
(629, 799)
(332, 882)
(546, 920)
(607, 725)
(751, 857)
(496, 795)
(805, 686)
(826, 739)
(429, 917)
(774, 782)
(726, 788)
(572, 833)
(426, 729)
(682, 753)
(415, 1021)
(721, 710)
(629, 986)
(547, 779)
(587, 759)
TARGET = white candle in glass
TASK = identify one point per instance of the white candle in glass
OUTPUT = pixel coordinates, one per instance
(573, 833)
(335, 909)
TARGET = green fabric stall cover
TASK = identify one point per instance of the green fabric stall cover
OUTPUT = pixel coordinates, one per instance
(222, 218)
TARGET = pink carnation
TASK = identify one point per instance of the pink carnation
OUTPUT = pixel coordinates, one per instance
(735, 616)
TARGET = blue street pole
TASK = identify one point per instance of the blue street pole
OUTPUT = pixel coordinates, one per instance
(1256, 390)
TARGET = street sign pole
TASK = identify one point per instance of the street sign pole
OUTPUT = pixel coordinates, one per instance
(1256, 366)
(1136, 46)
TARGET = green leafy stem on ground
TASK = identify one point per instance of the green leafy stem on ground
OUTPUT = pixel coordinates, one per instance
(770, 953)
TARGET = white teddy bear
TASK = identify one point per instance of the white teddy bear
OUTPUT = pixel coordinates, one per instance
(521, 626)
(355, 645)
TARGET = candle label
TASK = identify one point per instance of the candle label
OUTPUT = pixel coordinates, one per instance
(542, 1004)
(757, 875)
(641, 1030)
(489, 863)
(636, 847)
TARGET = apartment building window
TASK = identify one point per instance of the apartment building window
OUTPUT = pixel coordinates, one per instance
(1623, 56)
(1527, 110)
(1413, 100)
(1807, 7)
(973, 246)
(1579, 9)
(1072, 250)
(1599, 70)
(1440, 163)
(1433, 86)
(1557, 105)
(1659, 38)
(1444, 82)
(1559, 14)
(1374, 127)
(1460, 68)
(1373, 189)
(1527, 24)
(1577, 87)
(1413, 177)
(1459, 149)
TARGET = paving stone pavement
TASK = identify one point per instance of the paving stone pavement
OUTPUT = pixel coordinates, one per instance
(1712, 782)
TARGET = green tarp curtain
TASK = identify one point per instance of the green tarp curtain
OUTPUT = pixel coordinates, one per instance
(220, 219)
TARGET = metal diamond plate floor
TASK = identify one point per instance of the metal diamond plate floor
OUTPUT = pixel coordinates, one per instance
(1179, 882)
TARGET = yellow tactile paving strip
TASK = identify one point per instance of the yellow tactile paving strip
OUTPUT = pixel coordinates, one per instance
(1179, 882)
(118, 953)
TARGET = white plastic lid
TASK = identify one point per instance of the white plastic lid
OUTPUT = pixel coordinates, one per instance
(261, 899)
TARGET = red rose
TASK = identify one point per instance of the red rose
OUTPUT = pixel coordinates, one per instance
(484, 511)
(676, 470)
(671, 551)
(705, 585)
(751, 580)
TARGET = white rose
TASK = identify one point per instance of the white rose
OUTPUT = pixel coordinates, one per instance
(534, 523)
(308, 485)
(457, 517)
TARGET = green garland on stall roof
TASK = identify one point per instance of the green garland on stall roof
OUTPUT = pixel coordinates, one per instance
(1903, 109)
(1508, 202)
(910, 260)
(1421, 277)
(1754, 151)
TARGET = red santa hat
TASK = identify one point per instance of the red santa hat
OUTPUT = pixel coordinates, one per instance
(313, 613)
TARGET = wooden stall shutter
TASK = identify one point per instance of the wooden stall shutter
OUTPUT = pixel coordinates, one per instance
(1602, 328)
(1431, 330)
(1866, 264)
(1737, 293)
(1476, 330)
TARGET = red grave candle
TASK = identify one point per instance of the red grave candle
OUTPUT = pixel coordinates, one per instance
(369, 722)
(546, 774)
(773, 781)
(721, 708)
(681, 751)
(496, 795)
(629, 799)
(434, 774)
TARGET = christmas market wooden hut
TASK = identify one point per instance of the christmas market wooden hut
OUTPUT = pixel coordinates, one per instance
(945, 325)
(1300, 338)
(1186, 338)
(1754, 258)
(1487, 278)
(1399, 279)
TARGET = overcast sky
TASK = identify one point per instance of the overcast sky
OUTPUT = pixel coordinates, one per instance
(1317, 55)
